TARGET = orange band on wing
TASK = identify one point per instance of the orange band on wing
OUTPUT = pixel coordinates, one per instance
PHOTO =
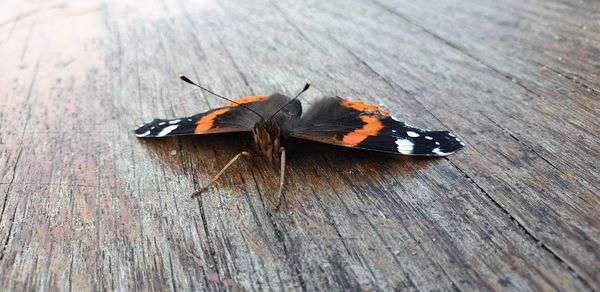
(208, 121)
(246, 99)
(371, 128)
(363, 107)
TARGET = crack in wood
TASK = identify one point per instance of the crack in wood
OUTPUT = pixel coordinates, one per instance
(575, 79)
(530, 148)
(521, 226)
(458, 48)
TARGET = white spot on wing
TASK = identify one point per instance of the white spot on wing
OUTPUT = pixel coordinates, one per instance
(161, 123)
(144, 134)
(437, 143)
(428, 138)
(439, 152)
(167, 130)
(174, 122)
(405, 146)
(412, 134)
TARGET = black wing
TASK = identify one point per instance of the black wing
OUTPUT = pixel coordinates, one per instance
(337, 121)
(228, 118)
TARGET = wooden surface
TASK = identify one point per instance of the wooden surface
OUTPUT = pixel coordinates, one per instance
(86, 205)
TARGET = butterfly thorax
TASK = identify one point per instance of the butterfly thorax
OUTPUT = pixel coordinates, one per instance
(270, 134)
(268, 140)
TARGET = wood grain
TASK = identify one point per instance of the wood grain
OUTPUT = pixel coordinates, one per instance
(87, 206)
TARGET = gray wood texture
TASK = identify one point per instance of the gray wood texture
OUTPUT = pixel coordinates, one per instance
(87, 206)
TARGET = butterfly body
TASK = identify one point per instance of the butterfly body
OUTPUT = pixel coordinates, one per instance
(272, 134)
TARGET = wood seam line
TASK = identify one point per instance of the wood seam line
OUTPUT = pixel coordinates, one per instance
(522, 227)
(466, 52)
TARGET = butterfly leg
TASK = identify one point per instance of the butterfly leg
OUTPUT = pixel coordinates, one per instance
(281, 176)
(234, 159)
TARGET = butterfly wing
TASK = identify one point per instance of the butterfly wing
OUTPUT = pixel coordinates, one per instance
(227, 118)
(337, 121)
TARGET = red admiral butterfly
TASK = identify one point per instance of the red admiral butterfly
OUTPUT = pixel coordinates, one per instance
(275, 119)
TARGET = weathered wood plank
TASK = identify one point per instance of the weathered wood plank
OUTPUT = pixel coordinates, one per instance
(567, 120)
(85, 205)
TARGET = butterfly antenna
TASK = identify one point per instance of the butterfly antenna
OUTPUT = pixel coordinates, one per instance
(306, 87)
(184, 78)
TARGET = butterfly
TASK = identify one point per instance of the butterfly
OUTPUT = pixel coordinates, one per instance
(276, 120)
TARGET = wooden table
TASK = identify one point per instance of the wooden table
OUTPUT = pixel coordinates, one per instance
(87, 206)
